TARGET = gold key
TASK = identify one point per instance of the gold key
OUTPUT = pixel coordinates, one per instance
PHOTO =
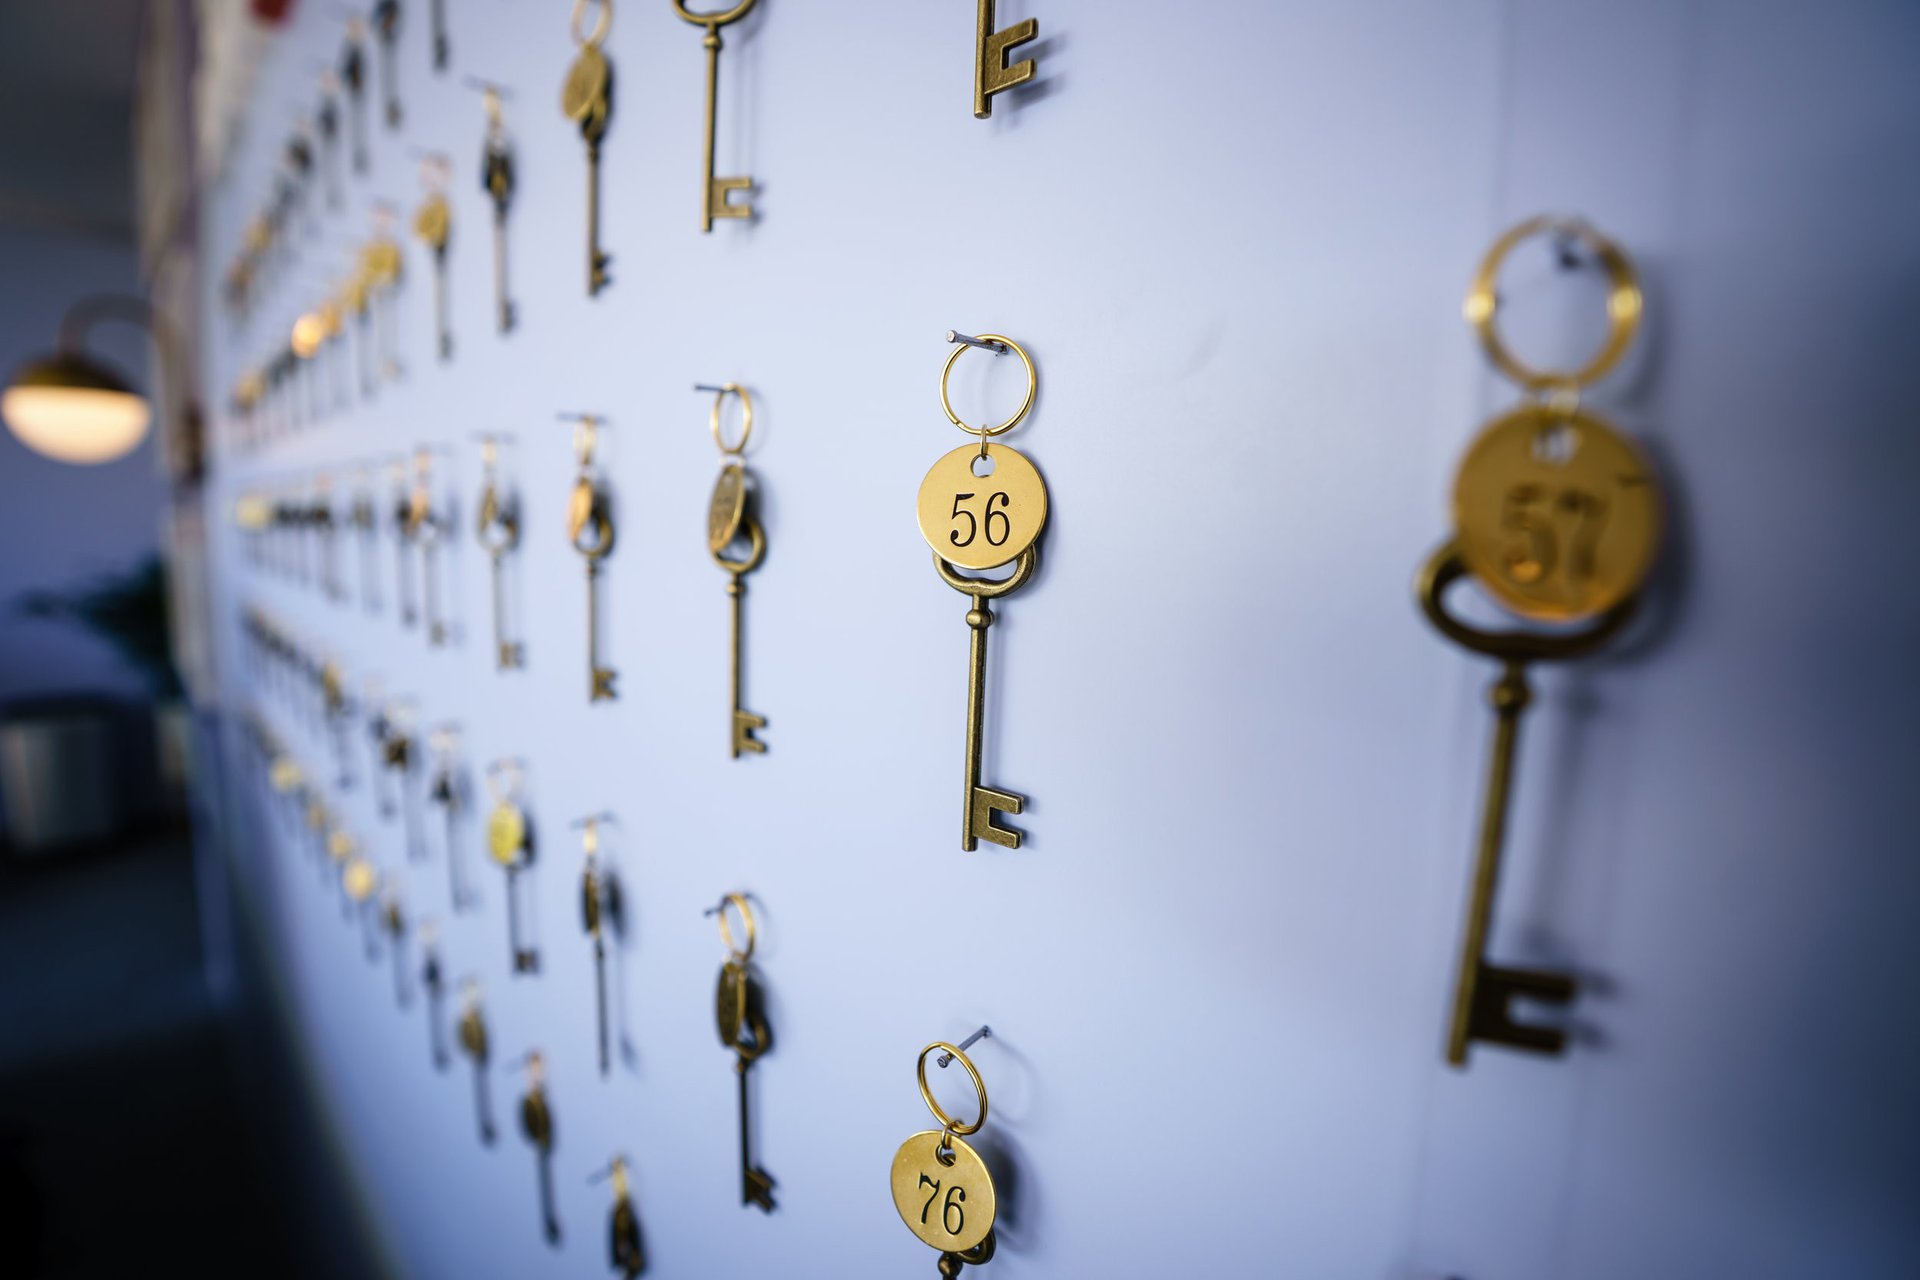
(942, 1189)
(991, 74)
(536, 1122)
(499, 526)
(359, 881)
(510, 844)
(394, 921)
(587, 100)
(333, 696)
(496, 176)
(623, 1229)
(981, 509)
(715, 193)
(743, 1028)
(423, 531)
(590, 529)
(383, 266)
(732, 520)
(1557, 518)
(398, 755)
(368, 524)
(474, 1043)
(433, 223)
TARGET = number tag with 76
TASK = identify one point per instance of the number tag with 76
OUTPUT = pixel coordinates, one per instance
(949, 1206)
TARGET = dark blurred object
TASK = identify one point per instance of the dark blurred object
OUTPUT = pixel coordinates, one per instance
(129, 612)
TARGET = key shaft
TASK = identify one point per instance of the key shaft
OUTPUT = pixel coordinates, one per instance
(756, 1187)
(979, 803)
(599, 678)
(715, 202)
(742, 722)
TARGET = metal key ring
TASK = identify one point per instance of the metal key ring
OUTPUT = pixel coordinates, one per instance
(1033, 386)
(756, 550)
(746, 419)
(711, 20)
(1446, 566)
(988, 588)
(599, 28)
(738, 902)
(947, 1122)
(1624, 304)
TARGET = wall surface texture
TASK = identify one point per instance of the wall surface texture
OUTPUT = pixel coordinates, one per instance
(1236, 244)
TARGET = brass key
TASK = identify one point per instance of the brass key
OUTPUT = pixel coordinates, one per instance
(433, 981)
(473, 1042)
(731, 517)
(743, 1028)
(1557, 519)
(510, 844)
(596, 896)
(365, 521)
(715, 193)
(981, 803)
(624, 1226)
(991, 74)
(445, 791)
(395, 923)
(433, 223)
(402, 538)
(496, 175)
(353, 75)
(439, 12)
(982, 508)
(386, 20)
(590, 529)
(587, 99)
(423, 530)
(536, 1122)
(499, 527)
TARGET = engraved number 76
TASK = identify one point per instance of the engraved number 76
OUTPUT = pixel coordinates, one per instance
(952, 1216)
(974, 527)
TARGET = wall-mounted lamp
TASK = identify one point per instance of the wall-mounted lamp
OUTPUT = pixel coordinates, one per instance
(71, 407)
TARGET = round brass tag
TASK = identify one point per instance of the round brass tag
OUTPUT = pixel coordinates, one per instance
(506, 834)
(730, 1003)
(727, 508)
(431, 222)
(1558, 515)
(982, 522)
(359, 879)
(586, 82)
(949, 1206)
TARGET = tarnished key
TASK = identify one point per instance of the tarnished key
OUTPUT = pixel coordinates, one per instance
(536, 1122)
(741, 1016)
(386, 19)
(473, 1042)
(433, 981)
(715, 193)
(496, 175)
(587, 99)
(991, 72)
(744, 721)
(403, 562)
(1484, 992)
(593, 129)
(590, 529)
(982, 802)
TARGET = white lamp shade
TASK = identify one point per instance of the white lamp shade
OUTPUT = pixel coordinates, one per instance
(70, 409)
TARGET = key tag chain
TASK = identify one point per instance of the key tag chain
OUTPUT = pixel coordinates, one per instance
(536, 1123)
(474, 1043)
(590, 530)
(433, 224)
(587, 99)
(1557, 517)
(510, 844)
(982, 509)
(733, 518)
(623, 1227)
(941, 1188)
(498, 527)
(741, 1015)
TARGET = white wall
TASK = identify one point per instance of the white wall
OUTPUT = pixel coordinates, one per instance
(1236, 243)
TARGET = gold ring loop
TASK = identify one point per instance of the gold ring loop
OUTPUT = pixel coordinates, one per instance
(1033, 386)
(746, 419)
(947, 1122)
(599, 27)
(987, 588)
(738, 901)
(1624, 304)
(1446, 566)
(714, 19)
(758, 549)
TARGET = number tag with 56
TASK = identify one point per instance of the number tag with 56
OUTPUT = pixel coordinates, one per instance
(981, 513)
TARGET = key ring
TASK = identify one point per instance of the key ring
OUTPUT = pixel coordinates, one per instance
(586, 434)
(712, 20)
(599, 27)
(746, 419)
(947, 1122)
(738, 902)
(1033, 386)
(1624, 305)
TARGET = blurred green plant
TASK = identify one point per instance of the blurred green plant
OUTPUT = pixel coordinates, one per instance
(128, 610)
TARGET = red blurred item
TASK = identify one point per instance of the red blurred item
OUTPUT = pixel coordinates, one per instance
(272, 12)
